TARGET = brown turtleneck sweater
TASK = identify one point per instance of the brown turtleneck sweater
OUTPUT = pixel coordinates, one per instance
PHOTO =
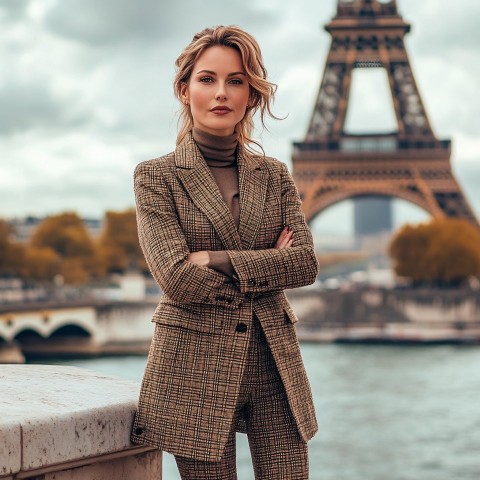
(220, 155)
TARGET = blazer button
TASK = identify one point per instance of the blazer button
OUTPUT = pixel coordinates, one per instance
(138, 431)
(252, 282)
(249, 295)
(241, 327)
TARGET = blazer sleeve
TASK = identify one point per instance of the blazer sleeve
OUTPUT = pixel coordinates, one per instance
(165, 248)
(272, 269)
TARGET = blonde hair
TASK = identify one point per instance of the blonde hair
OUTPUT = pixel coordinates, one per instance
(262, 91)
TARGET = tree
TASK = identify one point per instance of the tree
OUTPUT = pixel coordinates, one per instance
(12, 254)
(440, 252)
(41, 264)
(119, 244)
(5, 240)
(66, 235)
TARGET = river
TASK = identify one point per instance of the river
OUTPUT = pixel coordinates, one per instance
(385, 412)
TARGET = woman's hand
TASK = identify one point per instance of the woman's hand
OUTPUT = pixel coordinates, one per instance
(199, 258)
(285, 239)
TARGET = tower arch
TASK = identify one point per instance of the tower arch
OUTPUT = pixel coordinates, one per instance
(411, 163)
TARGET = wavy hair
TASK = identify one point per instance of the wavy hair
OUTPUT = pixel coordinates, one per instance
(262, 91)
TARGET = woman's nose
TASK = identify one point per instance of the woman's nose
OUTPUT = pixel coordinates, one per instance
(221, 93)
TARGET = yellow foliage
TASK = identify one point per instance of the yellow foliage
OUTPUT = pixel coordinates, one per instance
(119, 244)
(73, 271)
(440, 252)
(66, 236)
(41, 264)
(11, 254)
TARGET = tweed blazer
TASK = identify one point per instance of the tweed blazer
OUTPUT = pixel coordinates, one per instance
(197, 355)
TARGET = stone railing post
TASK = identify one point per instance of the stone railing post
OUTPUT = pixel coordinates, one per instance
(59, 422)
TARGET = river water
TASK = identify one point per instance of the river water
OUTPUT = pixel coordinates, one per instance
(385, 412)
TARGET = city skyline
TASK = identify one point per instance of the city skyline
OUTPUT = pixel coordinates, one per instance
(88, 89)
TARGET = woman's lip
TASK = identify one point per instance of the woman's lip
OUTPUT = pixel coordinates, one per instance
(220, 109)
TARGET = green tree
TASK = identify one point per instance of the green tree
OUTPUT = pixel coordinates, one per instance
(440, 252)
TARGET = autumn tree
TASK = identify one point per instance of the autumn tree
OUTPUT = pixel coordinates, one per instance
(12, 254)
(440, 252)
(119, 245)
(5, 240)
(41, 264)
(66, 236)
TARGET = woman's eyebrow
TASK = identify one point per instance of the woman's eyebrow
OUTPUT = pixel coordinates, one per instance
(213, 73)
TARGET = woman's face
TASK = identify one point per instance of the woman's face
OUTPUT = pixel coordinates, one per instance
(217, 91)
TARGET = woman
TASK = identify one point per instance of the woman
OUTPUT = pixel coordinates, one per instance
(223, 233)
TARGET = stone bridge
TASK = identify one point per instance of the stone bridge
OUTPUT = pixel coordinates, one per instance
(412, 315)
(75, 329)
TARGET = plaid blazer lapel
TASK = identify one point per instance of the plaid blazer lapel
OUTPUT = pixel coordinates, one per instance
(193, 172)
(253, 190)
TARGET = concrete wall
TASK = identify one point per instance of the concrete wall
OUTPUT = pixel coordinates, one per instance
(69, 423)
(414, 313)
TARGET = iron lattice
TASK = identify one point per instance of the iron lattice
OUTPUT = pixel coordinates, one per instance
(411, 163)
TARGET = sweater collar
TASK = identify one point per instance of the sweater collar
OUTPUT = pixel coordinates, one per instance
(188, 155)
(217, 150)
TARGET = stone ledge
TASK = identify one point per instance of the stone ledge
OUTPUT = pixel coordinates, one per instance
(55, 415)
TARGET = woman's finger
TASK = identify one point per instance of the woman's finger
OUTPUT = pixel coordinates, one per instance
(283, 242)
(280, 238)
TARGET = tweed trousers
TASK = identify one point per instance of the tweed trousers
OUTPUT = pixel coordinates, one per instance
(278, 452)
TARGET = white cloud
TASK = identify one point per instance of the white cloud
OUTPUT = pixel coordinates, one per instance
(87, 92)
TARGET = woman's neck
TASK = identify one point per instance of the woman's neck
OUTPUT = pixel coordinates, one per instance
(215, 147)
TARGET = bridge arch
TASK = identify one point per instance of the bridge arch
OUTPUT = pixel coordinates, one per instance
(28, 335)
(70, 330)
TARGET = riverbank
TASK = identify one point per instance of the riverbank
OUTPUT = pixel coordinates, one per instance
(370, 315)
(403, 316)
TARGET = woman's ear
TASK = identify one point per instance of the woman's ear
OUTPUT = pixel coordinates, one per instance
(184, 94)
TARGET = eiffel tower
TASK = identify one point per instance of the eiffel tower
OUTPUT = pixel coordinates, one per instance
(331, 165)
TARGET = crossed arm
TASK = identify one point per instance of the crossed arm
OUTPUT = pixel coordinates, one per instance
(290, 263)
(220, 261)
(182, 274)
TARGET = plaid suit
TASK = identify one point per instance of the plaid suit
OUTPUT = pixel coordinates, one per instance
(199, 349)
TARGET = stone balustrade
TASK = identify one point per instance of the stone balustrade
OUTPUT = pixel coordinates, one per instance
(59, 423)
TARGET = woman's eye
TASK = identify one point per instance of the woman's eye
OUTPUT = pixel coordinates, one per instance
(236, 81)
(206, 79)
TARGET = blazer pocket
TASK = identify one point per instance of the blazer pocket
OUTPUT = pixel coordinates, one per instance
(290, 314)
(198, 319)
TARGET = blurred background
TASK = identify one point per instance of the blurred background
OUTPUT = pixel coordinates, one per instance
(389, 344)
(86, 91)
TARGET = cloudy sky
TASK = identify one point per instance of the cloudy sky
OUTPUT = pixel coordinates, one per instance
(86, 88)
